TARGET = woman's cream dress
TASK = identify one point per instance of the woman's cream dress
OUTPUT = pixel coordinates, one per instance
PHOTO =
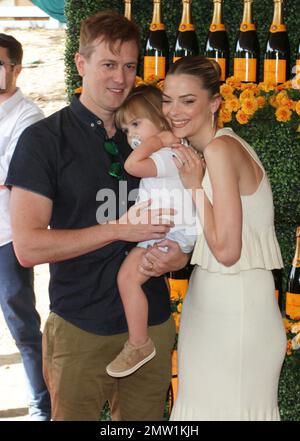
(232, 341)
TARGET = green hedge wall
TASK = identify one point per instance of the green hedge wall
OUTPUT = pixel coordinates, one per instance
(278, 144)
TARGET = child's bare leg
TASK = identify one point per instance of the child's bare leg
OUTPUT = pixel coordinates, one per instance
(135, 303)
(139, 349)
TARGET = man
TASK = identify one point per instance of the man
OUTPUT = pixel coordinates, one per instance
(62, 168)
(16, 283)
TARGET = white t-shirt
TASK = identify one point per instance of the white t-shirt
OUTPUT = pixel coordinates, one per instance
(166, 190)
(16, 114)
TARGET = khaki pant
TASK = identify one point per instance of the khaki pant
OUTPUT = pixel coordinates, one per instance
(74, 370)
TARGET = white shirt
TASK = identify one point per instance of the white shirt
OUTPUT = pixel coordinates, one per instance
(16, 113)
(166, 189)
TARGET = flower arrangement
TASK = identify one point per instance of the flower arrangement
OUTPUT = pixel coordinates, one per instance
(293, 342)
(242, 102)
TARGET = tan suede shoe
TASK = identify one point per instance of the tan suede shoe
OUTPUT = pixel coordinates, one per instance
(131, 358)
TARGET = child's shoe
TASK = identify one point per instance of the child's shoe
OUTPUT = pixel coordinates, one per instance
(131, 358)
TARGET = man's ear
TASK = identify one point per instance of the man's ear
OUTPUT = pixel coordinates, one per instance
(80, 63)
(17, 69)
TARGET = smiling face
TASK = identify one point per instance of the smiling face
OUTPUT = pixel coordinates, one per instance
(187, 106)
(107, 76)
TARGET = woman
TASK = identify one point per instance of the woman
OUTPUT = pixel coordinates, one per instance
(232, 341)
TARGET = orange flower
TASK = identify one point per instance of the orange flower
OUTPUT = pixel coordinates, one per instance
(273, 101)
(298, 129)
(283, 114)
(249, 106)
(287, 85)
(232, 104)
(226, 91)
(220, 123)
(289, 347)
(224, 114)
(297, 107)
(282, 98)
(266, 87)
(234, 82)
(250, 86)
(241, 117)
(246, 94)
(261, 101)
(78, 90)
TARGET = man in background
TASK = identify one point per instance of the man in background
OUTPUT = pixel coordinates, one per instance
(16, 283)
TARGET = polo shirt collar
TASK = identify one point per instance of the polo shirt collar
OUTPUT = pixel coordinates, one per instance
(84, 114)
(10, 103)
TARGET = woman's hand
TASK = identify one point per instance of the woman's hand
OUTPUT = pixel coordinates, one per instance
(156, 262)
(141, 223)
(191, 166)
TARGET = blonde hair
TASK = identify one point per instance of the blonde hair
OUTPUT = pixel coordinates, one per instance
(108, 26)
(144, 101)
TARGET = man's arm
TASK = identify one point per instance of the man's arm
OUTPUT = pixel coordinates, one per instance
(34, 243)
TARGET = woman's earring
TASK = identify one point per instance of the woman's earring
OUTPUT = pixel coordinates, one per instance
(212, 120)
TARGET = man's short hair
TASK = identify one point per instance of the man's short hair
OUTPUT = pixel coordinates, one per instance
(13, 47)
(108, 26)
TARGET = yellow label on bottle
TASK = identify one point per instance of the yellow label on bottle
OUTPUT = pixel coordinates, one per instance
(275, 71)
(217, 27)
(175, 59)
(222, 64)
(154, 68)
(247, 27)
(183, 27)
(277, 294)
(292, 307)
(157, 27)
(277, 28)
(245, 69)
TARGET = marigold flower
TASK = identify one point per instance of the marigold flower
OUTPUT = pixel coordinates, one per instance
(78, 90)
(220, 122)
(232, 104)
(266, 87)
(224, 114)
(261, 101)
(282, 98)
(287, 84)
(283, 114)
(234, 82)
(250, 86)
(226, 91)
(273, 101)
(298, 129)
(242, 117)
(249, 106)
(179, 307)
(297, 107)
(289, 347)
(246, 94)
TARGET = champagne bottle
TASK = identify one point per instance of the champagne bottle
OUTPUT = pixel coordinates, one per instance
(292, 308)
(127, 11)
(217, 45)
(277, 275)
(156, 54)
(246, 56)
(277, 53)
(186, 41)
